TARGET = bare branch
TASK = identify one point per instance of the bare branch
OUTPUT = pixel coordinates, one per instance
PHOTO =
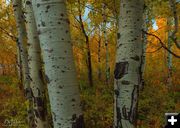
(162, 44)
(155, 50)
(14, 38)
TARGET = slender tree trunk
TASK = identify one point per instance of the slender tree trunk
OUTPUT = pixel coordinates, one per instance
(99, 56)
(106, 45)
(144, 45)
(173, 36)
(89, 62)
(22, 40)
(128, 63)
(35, 70)
(169, 56)
(54, 34)
(19, 64)
(19, 68)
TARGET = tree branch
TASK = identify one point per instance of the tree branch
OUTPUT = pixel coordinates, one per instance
(155, 50)
(14, 38)
(162, 44)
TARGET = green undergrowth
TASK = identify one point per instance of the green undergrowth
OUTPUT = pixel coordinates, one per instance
(12, 103)
(97, 103)
(155, 100)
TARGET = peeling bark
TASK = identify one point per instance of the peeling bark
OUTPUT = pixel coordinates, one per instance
(128, 63)
(54, 34)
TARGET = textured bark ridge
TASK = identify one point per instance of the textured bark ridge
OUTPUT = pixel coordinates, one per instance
(54, 34)
(35, 73)
(128, 63)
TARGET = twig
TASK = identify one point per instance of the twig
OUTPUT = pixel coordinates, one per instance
(162, 44)
(155, 50)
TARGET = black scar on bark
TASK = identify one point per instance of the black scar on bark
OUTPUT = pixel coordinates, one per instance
(118, 115)
(47, 7)
(124, 112)
(28, 93)
(62, 14)
(119, 46)
(38, 5)
(136, 58)
(116, 91)
(140, 74)
(125, 82)
(78, 122)
(40, 111)
(15, 5)
(47, 79)
(43, 23)
(118, 35)
(121, 69)
(29, 77)
(40, 74)
(73, 100)
(133, 109)
(28, 2)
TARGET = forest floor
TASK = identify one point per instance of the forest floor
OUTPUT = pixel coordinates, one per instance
(97, 102)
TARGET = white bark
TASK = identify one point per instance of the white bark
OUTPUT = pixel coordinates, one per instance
(106, 44)
(35, 71)
(128, 63)
(169, 55)
(54, 34)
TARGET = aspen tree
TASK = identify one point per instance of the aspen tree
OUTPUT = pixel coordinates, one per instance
(128, 63)
(53, 27)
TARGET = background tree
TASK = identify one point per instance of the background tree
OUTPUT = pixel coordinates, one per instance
(106, 43)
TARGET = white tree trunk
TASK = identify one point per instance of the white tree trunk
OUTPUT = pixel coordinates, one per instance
(22, 42)
(128, 63)
(99, 55)
(35, 70)
(54, 34)
(169, 55)
(106, 44)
